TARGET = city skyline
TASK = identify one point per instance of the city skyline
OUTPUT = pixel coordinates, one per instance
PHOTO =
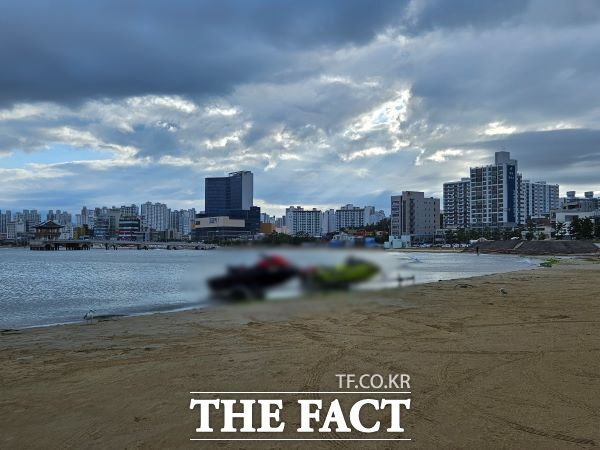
(327, 103)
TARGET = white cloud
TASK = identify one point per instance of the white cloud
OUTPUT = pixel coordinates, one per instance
(495, 128)
(442, 155)
(387, 117)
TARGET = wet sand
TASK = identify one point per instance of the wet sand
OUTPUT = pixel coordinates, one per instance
(487, 370)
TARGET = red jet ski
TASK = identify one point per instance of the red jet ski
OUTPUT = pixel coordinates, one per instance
(253, 281)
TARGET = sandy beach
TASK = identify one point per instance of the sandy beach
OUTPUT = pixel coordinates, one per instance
(488, 370)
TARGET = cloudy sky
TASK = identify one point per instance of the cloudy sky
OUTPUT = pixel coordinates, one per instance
(327, 102)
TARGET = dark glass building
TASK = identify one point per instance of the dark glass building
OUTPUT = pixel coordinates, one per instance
(234, 192)
(231, 197)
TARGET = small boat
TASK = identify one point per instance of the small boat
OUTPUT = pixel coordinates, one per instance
(340, 276)
(245, 282)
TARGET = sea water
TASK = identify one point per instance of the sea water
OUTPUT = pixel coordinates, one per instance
(44, 288)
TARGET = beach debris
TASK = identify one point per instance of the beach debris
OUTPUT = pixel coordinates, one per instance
(464, 285)
(402, 279)
(503, 291)
(89, 316)
(10, 331)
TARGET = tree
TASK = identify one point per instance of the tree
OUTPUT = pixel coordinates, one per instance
(582, 228)
(450, 237)
(575, 228)
(382, 225)
(587, 228)
(561, 230)
(530, 229)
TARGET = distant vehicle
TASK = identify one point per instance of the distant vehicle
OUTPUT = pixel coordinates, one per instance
(447, 246)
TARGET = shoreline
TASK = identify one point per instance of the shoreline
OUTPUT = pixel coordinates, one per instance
(208, 305)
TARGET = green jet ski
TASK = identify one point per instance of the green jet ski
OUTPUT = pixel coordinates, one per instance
(340, 276)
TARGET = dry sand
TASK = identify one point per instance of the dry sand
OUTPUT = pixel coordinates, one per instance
(487, 370)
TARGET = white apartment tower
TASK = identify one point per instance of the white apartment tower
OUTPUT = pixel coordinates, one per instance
(328, 222)
(303, 221)
(156, 216)
(350, 217)
(538, 198)
(457, 201)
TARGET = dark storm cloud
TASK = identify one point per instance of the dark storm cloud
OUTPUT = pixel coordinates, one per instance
(438, 14)
(68, 50)
(550, 149)
(327, 102)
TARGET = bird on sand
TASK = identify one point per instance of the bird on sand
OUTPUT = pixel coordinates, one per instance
(89, 316)
(503, 291)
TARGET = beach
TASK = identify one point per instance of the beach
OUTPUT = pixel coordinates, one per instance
(488, 369)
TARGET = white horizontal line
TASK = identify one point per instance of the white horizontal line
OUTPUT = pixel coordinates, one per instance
(300, 392)
(301, 439)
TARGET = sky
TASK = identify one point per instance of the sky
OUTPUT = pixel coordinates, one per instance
(327, 102)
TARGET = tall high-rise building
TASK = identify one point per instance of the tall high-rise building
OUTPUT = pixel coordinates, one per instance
(416, 215)
(457, 201)
(131, 210)
(303, 221)
(350, 217)
(328, 222)
(187, 217)
(539, 198)
(30, 218)
(229, 198)
(497, 196)
(61, 217)
(4, 220)
(373, 216)
(234, 192)
(494, 193)
(155, 216)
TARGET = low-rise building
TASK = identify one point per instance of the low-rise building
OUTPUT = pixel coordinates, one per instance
(48, 231)
(220, 227)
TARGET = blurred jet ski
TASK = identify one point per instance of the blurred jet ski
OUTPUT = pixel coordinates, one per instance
(245, 282)
(340, 276)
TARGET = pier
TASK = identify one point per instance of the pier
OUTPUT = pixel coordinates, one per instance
(58, 244)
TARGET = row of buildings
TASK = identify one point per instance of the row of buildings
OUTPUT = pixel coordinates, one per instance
(230, 213)
(493, 196)
(497, 196)
(316, 222)
(154, 221)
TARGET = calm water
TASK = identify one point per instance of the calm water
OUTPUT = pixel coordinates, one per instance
(42, 288)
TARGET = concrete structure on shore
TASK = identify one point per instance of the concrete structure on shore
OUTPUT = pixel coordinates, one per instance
(55, 245)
